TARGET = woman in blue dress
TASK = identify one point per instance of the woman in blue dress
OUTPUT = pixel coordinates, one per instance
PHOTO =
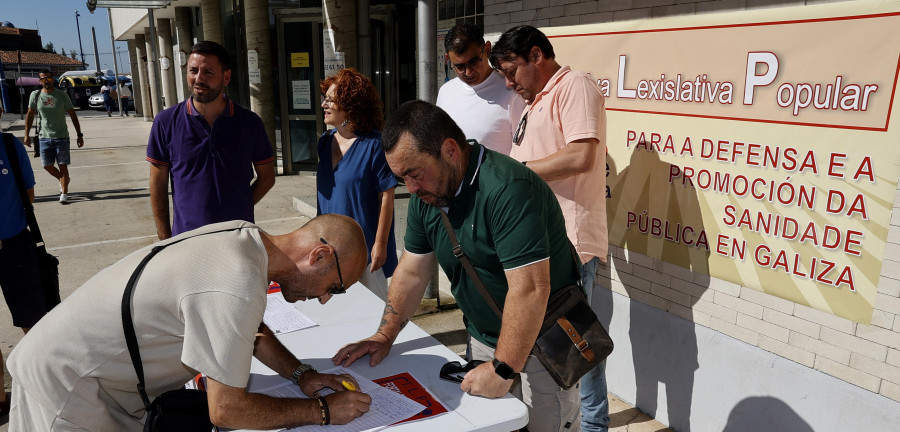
(353, 177)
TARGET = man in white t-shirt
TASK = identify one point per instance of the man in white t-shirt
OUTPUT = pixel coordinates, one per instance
(124, 96)
(477, 99)
(197, 307)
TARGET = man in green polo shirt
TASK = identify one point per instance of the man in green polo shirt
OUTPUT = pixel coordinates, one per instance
(53, 104)
(510, 225)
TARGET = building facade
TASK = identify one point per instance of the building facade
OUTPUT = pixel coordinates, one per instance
(22, 57)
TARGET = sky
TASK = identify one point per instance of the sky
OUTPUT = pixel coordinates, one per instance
(55, 21)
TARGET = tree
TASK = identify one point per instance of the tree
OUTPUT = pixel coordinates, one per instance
(49, 47)
(73, 54)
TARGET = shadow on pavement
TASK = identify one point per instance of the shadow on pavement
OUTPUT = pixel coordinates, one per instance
(112, 194)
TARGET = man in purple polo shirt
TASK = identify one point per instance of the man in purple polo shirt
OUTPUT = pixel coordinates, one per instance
(208, 144)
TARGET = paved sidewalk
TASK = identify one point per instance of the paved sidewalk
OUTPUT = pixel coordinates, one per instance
(109, 216)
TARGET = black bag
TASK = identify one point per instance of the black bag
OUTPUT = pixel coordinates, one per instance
(49, 264)
(181, 410)
(571, 341)
(49, 277)
(36, 142)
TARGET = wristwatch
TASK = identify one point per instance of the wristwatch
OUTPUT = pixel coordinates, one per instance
(80, 134)
(302, 369)
(503, 369)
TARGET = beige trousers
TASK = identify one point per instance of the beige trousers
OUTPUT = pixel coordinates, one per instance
(550, 408)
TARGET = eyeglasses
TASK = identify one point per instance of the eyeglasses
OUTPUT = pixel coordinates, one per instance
(471, 64)
(455, 371)
(337, 263)
(520, 131)
(328, 100)
(45, 79)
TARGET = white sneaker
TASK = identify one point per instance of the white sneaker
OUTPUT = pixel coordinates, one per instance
(63, 198)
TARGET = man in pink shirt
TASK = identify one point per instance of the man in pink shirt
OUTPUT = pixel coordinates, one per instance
(562, 137)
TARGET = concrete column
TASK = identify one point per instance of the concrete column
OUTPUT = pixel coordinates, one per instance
(212, 21)
(340, 17)
(154, 63)
(426, 50)
(185, 40)
(151, 76)
(138, 73)
(167, 61)
(256, 21)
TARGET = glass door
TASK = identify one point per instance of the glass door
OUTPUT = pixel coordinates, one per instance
(385, 73)
(300, 71)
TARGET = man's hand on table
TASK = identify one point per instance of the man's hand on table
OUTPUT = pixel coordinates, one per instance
(376, 346)
(311, 382)
(483, 381)
(344, 406)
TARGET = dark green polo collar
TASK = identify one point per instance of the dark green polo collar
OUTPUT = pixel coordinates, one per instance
(476, 157)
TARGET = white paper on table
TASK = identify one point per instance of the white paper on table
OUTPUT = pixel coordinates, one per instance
(388, 407)
(282, 317)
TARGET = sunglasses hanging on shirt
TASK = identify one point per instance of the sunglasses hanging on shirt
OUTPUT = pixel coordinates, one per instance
(520, 131)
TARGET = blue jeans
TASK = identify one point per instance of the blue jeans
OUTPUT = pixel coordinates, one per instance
(55, 150)
(594, 406)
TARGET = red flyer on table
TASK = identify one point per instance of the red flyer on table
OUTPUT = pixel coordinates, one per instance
(405, 384)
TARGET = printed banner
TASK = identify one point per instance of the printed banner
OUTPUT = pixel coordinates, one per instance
(756, 146)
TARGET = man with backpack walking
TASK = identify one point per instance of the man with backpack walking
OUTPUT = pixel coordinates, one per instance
(52, 104)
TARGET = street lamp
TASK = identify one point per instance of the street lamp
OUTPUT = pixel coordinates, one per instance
(80, 48)
(119, 55)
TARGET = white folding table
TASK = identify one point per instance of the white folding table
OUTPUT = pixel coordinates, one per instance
(355, 315)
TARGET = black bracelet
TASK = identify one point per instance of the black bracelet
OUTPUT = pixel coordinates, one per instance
(321, 409)
(326, 415)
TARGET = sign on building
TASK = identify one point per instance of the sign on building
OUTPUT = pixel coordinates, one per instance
(757, 147)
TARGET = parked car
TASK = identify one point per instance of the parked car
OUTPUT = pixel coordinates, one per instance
(96, 101)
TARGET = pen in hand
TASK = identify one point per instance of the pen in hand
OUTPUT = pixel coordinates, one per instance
(344, 383)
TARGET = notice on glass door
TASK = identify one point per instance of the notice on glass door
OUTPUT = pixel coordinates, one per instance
(301, 95)
(300, 59)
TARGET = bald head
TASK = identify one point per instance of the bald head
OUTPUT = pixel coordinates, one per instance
(347, 238)
(306, 267)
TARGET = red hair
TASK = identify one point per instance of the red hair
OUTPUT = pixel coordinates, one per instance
(356, 95)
